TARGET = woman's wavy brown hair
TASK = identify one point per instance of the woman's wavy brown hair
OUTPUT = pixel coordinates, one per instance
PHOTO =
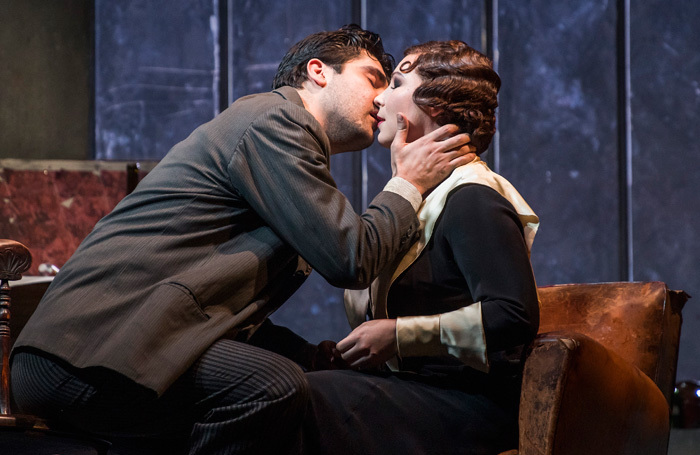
(461, 82)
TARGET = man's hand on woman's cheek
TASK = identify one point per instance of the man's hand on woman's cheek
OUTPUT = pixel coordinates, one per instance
(430, 159)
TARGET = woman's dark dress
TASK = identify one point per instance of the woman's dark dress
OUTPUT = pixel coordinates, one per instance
(477, 253)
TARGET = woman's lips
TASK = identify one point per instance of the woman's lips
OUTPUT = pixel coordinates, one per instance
(377, 120)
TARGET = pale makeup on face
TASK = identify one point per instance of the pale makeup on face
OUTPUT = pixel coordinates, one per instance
(398, 98)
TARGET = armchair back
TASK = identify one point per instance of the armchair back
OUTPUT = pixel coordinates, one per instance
(640, 322)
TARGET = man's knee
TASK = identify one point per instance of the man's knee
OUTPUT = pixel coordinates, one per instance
(291, 383)
(237, 373)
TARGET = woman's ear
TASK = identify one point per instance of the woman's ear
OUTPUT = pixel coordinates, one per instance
(433, 112)
(316, 72)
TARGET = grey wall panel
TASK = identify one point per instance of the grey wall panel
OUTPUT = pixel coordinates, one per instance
(403, 24)
(154, 74)
(665, 80)
(558, 131)
(262, 32)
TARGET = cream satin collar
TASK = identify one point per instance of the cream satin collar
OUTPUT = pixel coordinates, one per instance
(474, 172)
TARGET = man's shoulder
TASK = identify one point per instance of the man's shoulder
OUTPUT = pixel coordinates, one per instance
(280, 111)
(259, 99)
(254, 112)
(285, 98)
(265, 110)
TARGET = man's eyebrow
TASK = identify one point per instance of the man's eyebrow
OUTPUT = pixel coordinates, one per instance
(381, 77)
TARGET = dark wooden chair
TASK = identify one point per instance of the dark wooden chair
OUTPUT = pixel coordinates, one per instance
(22, 434)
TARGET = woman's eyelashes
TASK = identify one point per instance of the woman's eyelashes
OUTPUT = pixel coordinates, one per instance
(395, 81)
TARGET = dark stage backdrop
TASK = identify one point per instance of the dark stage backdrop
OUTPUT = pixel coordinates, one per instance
(598, 119)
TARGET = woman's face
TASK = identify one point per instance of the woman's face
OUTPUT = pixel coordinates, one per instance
(398, 98)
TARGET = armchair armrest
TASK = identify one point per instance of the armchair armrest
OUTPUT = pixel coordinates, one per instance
(578, 397)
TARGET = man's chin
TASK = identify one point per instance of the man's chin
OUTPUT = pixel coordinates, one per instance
(354, 145)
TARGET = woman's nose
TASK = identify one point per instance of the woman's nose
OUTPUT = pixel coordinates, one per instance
(379, 99)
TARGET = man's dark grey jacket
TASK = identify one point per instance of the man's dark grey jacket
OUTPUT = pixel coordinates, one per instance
(209, 243)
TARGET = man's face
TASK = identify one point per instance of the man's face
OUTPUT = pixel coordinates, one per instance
(348, 103)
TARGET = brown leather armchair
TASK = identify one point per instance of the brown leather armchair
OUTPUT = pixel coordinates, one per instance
(599, 377)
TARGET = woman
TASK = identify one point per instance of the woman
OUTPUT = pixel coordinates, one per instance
(451, 318)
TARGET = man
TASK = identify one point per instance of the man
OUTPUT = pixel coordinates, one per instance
(146, 330)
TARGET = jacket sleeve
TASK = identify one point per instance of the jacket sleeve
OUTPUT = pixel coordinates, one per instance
(486, 243)
(281, 169)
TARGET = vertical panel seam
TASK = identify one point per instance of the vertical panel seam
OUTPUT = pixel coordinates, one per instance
(221, 57)
(359, 185)
(92, 81)
(489, 43)
(624, 141)
(364, 202)
(496, 62)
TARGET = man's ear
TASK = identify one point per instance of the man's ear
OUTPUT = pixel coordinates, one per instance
(316, 72)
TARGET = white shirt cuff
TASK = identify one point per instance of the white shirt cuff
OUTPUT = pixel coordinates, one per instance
(418, 336)
(462, 331)
(459, 333)
(406, 190)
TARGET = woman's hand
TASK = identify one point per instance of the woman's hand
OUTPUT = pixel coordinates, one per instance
(370, 345)
(428, 160)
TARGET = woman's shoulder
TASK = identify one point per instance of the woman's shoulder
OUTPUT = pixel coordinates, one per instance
(476, 196)
(479, 209)
(474, 212)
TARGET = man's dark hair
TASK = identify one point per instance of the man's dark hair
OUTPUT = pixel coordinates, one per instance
(332, 48)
